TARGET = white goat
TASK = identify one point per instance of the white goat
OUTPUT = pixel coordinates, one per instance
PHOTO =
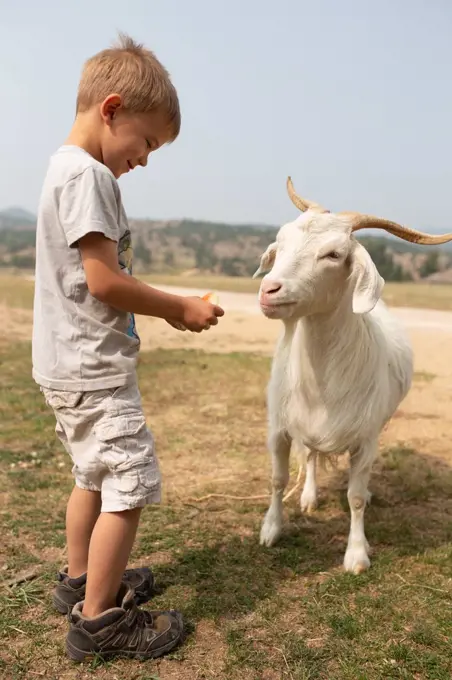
(343, 363)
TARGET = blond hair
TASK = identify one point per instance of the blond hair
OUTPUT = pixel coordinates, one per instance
(133, 72)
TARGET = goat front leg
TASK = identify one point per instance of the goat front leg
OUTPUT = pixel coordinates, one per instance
(279, 444)
(356, 558)
(308, 499)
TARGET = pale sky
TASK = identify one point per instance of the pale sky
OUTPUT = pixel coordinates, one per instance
(353, 98)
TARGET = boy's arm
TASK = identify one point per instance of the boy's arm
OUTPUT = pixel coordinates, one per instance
(109, 284)
(88, 213)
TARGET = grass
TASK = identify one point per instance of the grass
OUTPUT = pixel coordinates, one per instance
(287, 613)
(418, 295)
(16, 291)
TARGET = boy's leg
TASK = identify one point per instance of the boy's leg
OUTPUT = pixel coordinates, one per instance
(75, 414)
(108, 622)
(113, 451)
(109, 551)
(82, 513)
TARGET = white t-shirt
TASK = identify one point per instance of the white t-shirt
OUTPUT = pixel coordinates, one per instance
(79, 343)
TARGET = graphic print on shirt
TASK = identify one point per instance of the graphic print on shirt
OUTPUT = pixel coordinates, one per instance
(125, 258)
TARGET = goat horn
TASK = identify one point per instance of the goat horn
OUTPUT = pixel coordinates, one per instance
(360, 221)
(301, 203)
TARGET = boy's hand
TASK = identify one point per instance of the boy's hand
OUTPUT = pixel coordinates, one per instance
(199, 315)
(175, 324)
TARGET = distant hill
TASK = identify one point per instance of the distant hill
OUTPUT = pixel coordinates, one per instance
(17, 218)
(212, 247)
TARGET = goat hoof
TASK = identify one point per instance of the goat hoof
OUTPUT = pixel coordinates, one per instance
(270, 532)
(308, 505)
(356, 561)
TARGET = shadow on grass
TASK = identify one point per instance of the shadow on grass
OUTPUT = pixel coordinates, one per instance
(226, 573)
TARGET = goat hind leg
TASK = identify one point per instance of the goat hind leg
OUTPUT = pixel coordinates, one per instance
(308, 499)
(356, 558)
(279, 445)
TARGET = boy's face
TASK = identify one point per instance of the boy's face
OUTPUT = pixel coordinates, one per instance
(129, 138)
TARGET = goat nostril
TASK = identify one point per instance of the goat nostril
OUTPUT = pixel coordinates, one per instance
(271, 287)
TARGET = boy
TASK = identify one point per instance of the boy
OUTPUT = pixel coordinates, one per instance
(85, 347)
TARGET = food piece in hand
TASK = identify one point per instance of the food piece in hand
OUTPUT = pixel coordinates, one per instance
(212, 298)
(208, 297)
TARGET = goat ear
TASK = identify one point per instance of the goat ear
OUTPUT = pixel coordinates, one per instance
(267, 260)
(368, 282)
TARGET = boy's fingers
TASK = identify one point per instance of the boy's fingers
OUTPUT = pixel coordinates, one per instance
(218, 311)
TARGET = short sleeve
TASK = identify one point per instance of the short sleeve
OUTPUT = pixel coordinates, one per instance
(88, 203)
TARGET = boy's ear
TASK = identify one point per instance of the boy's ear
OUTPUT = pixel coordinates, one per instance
(109, 107)
(267, 260)
(368, 282)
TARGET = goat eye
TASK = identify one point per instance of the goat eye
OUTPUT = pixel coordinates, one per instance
(333, 255)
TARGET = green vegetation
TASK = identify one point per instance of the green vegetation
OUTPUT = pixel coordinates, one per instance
(383, 257)
(226, 250)
(289, 613)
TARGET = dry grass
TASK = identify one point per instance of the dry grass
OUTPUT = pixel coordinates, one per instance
(16, 292)
(418, 295)
(289, 613)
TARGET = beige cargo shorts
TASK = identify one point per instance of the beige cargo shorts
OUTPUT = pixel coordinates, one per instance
(112, 450)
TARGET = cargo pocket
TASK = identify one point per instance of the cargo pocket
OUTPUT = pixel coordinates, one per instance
(150, 478)
(138, 482)
(127, 482)
(121, 443)
(58, 399)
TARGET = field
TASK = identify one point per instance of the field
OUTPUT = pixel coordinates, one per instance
(417, 295)
(287, 613)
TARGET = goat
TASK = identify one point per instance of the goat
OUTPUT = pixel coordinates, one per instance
(342, 364)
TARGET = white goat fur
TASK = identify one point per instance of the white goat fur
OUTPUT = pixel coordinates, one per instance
(340, 369)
